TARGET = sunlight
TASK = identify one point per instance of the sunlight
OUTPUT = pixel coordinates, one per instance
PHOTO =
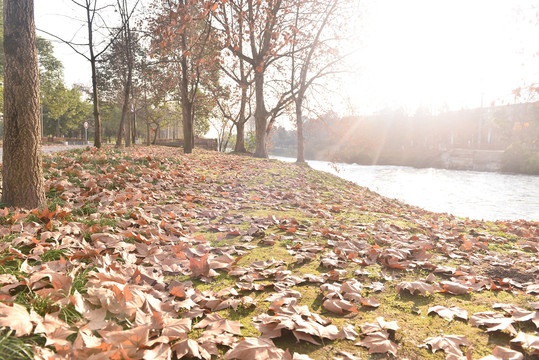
(437, 54)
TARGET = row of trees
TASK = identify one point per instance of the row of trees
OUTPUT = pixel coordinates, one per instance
(221, 62)
(231, 59)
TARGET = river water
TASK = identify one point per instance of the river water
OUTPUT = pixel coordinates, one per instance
(472, 194)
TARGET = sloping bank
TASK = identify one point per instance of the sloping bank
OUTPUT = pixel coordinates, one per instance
(149, 253)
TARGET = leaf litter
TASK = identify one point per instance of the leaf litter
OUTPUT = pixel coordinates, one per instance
(148, 253)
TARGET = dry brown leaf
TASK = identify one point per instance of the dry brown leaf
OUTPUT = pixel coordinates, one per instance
(131, 339)
(348, 332)
(378, 342)
(217, 323)
(527, 341)
(493, 321)
(17, 318)
(176, 328)
(502, 353)
(338, 306)
(449, 343)
(379, 324)
(255, 349)
(159, 352)
(372, 302)
(191, 349)
(454, 288)
(449, 313)
(419, 286)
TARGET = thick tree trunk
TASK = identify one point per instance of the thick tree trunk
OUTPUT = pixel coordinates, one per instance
(261, 117)
(148, 129)
(299, 123)
(187, 127)
(155, 135)
(240, 125)
(22, 173)
(240, 137)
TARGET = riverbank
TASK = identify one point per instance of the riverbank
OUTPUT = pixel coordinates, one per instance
(477, 195)
(146, 252)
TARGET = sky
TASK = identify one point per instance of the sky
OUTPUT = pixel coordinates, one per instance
(435, 54)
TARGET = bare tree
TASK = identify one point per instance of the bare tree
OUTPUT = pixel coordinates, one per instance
(315, 58)
(95, 24)
(267, 29)
(236, 69)
(183, 38)
(22, 172)
(127, 56)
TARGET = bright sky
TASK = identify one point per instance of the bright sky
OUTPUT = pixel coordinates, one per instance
(430, 52)
(412, 53)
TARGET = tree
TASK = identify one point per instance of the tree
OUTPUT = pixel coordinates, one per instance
(22, 173)
(184, 40)
(2, 61)
(311, 17)
(95, 23)
(267, 30)
(116, 71)
(236, 69)
(127, 44)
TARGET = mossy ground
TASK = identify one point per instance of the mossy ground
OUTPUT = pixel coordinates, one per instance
(307, 207)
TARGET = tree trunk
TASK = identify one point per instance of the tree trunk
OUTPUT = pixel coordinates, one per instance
(240, 137)
(129, 130)
(121, 129)
(187, 107)
(187, 127)
(240, 125)
(148, 129)
(155, 135)
(261, 117)
(22, 172)
(134, 127)
(97, 119)
(299, 123)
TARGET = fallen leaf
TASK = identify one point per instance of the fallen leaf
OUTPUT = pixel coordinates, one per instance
(17, 318)
(502, 353)
(449, 343)
(379, 324)
(412, 287)
(378, 342)
(449, 313)
(255, 349)
(338, 306)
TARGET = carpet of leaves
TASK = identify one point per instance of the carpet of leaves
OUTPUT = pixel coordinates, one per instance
(148, 253)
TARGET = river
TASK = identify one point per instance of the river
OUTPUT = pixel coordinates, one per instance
(472, 194)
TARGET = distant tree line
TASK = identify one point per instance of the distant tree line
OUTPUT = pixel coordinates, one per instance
(396, 138)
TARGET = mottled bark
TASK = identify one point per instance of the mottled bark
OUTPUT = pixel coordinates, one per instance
(261, 117)
(22, 174)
